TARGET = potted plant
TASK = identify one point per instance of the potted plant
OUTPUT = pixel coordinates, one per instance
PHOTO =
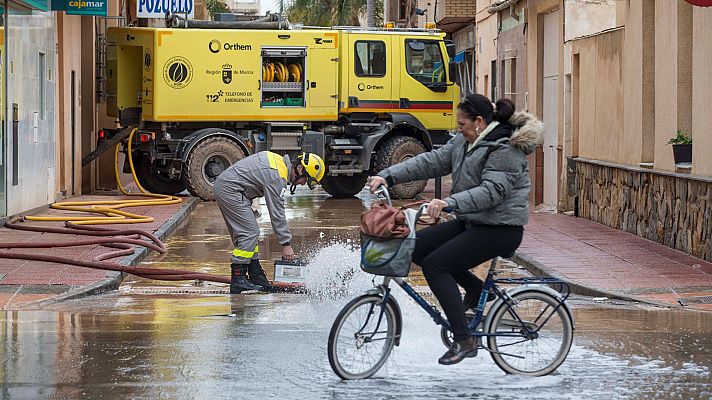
(681, 147)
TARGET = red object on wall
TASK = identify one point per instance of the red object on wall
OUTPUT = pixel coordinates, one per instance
(700, 3)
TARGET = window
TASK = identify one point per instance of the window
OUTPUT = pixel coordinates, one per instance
(424, 61)
(370, 59)
(510, 79)
(402, 5)
(41, 68)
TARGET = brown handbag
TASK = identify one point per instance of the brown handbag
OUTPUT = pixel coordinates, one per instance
(385, 221)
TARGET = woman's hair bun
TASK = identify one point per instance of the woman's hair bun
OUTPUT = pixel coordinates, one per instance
(504, 109)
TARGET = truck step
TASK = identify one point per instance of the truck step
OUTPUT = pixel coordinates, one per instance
(365, 124)
(299, 124)
(286, 134)
(344, 171)
(285, 148)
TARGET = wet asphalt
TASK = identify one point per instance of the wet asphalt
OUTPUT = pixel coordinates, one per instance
(177, 340)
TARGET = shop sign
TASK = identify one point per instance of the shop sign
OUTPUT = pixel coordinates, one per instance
(86, 7)
(159, 8)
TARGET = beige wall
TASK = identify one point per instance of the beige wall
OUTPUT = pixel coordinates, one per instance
(69, 59)
(672, 71)
(587, 18)
(639, 83)
(486, 48)
(600, 101)
(702, 91)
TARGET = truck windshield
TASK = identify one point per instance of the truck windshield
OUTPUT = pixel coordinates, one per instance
(424, 61)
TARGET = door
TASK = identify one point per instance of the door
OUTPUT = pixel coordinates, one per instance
(550, 109)
(424, 88)
(370, 82)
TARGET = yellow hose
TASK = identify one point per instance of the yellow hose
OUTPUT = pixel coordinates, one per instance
(110, 209)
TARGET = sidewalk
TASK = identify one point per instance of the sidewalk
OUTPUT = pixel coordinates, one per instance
(25, 284)
(600, 261)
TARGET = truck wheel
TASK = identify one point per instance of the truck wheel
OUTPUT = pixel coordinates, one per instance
(396, 150)
(206, 161)
(154, 179)
(344, 186)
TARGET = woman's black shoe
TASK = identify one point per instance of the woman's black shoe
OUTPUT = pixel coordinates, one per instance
(460, 351)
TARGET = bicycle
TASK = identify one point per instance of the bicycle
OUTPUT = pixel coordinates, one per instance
(529, 328)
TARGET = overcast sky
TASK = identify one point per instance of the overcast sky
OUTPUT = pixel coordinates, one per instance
(269, 5)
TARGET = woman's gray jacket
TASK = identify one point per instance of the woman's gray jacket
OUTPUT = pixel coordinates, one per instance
(490, 183)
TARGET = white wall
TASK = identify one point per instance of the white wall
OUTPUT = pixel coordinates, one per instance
(28, 35)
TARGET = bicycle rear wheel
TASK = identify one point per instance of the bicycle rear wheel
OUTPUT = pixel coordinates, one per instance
(540, 343)
(362, 337)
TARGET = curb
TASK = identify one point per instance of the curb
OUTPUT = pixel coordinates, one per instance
(114, 278)
(539, 269)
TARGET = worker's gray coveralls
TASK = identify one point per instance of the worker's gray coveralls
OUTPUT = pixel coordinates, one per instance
(261, 174)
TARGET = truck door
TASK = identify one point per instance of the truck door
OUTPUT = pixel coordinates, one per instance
(370, 74)
(424, 88)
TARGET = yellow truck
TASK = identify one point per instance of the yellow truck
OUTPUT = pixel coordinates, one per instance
(204, 98)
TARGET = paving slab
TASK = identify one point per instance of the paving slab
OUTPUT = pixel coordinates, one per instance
(33, 284)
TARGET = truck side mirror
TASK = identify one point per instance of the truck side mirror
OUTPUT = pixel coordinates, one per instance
(450, 47)
(452, 71)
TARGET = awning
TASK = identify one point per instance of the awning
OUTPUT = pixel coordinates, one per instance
(460, 57)
(42, 5)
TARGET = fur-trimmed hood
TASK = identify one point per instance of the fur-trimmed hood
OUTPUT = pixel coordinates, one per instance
(528, 133)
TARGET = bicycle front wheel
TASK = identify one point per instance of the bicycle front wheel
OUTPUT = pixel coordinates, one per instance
(533, 336)
(362, 337)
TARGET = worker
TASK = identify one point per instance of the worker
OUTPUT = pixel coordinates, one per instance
(261, 174)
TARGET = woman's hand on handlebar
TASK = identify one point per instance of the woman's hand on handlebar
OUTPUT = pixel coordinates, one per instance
(376, 182)
(435, 207)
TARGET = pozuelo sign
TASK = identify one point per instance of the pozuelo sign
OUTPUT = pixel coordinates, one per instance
(159, 8)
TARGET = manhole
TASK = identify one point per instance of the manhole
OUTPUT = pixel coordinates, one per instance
(172, 291)
(695, 300)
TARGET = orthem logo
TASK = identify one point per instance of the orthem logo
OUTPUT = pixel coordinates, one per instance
(214, 46)
(363, 86)
(177, 72)
(227, 73)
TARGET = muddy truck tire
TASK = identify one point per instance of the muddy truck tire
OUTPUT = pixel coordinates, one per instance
(206, 161)
(344, 186)
(396, 150)
(155, 179)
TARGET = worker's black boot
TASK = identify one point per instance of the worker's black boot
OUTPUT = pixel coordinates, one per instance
(238, 280)
(257, 275)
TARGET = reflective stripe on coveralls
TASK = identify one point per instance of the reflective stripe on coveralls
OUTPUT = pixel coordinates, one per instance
(245, 253)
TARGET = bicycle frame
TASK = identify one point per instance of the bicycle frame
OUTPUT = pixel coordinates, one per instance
(491, 284)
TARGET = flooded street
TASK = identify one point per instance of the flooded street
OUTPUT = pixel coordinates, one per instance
(185, 340)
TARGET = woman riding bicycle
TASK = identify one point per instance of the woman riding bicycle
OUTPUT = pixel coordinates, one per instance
(489, 196)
